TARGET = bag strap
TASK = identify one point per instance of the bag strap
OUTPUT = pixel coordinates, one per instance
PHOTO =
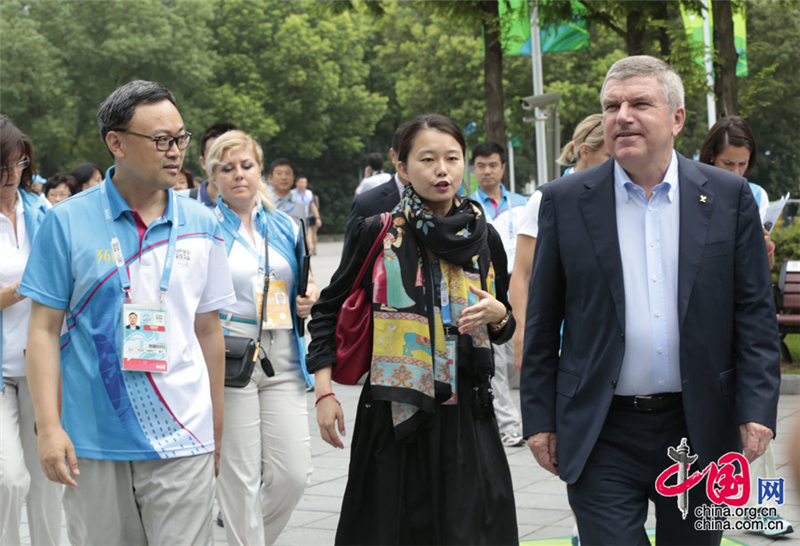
(266, 289)
(386, 218)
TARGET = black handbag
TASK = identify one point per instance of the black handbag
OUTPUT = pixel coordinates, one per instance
(241, 353)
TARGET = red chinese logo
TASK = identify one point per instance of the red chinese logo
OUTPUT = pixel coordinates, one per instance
(726, 484)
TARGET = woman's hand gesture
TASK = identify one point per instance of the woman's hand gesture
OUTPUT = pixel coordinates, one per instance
(488, 310)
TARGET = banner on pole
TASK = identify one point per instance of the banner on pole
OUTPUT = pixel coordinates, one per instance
(515, 30)
(693, 22)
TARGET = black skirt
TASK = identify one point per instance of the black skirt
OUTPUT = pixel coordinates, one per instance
(446, 483)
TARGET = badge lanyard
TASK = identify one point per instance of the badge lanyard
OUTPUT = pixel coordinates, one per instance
(116, 247)
(440, 280)
(450, 340)
(510, 219)
(227, 223)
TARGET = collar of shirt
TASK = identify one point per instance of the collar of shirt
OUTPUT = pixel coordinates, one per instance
(280, 202)
(203, 196)
(118, 204)
(626, 188)
(484, 198)
(19, 207)
(19, 216)
(400, 185)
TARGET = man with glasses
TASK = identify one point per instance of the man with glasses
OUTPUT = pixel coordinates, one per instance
(142, 408)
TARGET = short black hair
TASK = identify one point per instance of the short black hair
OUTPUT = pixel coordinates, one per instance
(117, 109)
(84, 172)
(488, 148)
(375, 161)
(280, 162)
(56, 180)
(215, 131)
(424, 122)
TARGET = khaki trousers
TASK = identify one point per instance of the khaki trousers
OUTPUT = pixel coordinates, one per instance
(130, 503)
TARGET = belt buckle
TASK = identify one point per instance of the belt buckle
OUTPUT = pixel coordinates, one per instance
(636, 402)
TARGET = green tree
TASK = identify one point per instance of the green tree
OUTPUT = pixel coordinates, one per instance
(296, 82)
(35, 90)
(483, 15)
(76, 53)
(769, 98)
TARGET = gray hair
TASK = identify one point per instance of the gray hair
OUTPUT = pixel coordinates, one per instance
(643, 65)
(117, 110)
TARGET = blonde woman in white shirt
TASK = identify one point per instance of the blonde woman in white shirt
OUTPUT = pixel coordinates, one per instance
(266, 449)
(586, 149)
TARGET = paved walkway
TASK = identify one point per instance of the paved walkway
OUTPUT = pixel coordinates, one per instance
(542, 507)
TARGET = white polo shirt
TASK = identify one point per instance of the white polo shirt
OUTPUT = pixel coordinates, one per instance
(122, 415)
(14, 251)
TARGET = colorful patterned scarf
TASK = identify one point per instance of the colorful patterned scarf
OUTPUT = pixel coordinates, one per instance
(407, 311)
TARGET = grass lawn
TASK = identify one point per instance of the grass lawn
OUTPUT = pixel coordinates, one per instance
(793, 342)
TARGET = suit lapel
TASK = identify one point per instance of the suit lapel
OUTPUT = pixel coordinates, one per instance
(599, 211)
(697, 204)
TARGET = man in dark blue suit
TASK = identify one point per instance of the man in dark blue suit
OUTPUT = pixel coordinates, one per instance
(657, 267)
(381, 199)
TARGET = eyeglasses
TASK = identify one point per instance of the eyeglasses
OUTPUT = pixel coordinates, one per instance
(20, 165)
(163, 143)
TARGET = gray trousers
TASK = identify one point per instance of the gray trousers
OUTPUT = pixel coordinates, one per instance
(132, 503)
(504, 408)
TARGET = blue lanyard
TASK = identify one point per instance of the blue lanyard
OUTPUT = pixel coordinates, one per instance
(116, 247)
(230, 227)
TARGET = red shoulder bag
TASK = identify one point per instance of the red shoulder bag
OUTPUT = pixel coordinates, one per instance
(354, 323)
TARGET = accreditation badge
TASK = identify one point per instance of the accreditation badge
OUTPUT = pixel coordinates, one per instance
(451, 346)
(279, 314)
(145, 338)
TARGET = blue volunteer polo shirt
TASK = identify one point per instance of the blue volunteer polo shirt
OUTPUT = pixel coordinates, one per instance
(122, 415)
(506, 218)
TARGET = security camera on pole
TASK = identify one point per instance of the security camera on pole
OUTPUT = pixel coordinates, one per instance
(545, 108)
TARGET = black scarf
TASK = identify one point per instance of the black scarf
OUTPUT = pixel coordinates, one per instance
(409, 363)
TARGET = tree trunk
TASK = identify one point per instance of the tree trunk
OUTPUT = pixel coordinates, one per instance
(635, 32)
(663, 38)
(493, 74)
(725, 59)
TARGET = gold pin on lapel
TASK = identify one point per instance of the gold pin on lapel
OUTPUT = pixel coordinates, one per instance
(703, 198)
